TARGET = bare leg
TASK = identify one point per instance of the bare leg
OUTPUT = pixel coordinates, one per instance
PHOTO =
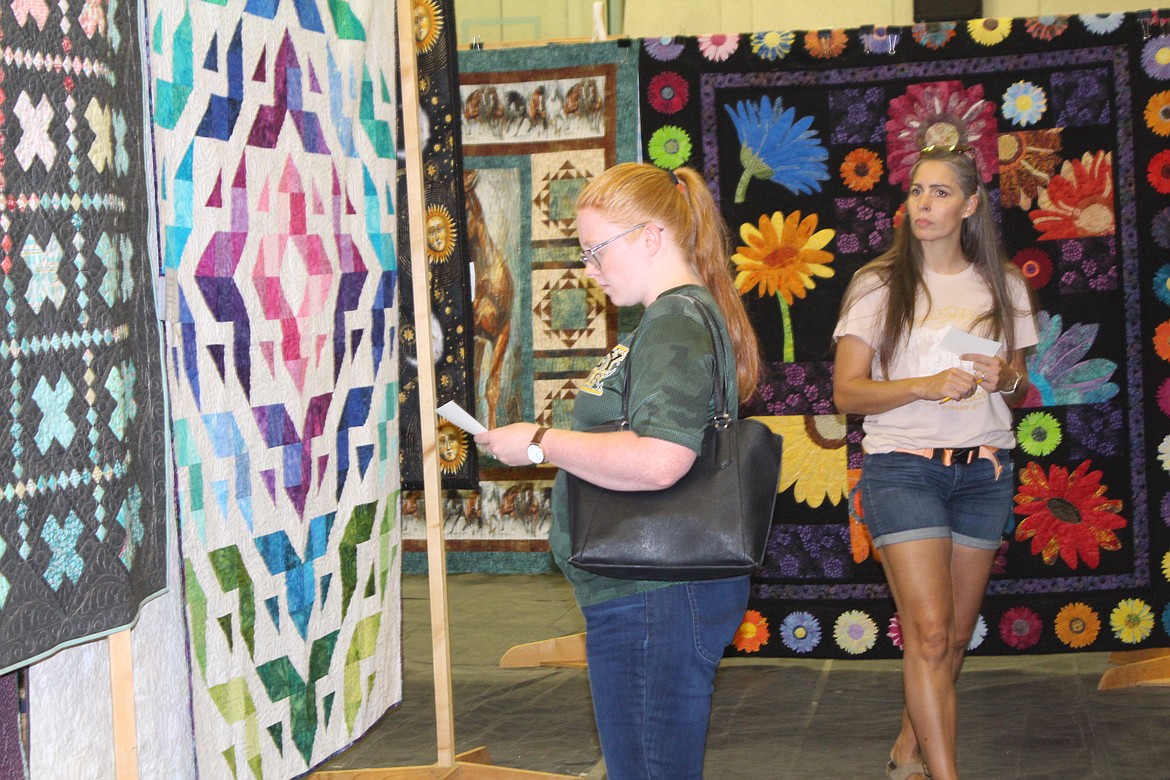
(919, 574)
(970, 570)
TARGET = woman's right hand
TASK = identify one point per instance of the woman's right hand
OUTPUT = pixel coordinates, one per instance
(855, 391)
(954, 384)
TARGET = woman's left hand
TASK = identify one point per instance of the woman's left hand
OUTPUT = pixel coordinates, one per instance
(992, 373)
(508, 444)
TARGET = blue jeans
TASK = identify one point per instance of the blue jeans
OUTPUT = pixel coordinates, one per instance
(652, 660)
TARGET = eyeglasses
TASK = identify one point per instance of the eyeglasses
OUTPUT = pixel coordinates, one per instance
(948, 148)
(589, 255)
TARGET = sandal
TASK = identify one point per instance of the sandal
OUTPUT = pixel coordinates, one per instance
(905, 771)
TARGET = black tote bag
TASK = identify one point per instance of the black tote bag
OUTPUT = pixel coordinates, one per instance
(714, 522)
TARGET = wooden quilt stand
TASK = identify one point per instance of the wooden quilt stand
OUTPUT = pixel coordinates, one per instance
(563, 651)
(474, 764)
(1137, 667)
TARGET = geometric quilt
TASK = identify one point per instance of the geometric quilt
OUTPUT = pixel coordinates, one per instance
(536, 125)
(274, 143)
(83, 477)
(807, 140)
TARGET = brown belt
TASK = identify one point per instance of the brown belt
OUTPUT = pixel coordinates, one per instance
(951, 455)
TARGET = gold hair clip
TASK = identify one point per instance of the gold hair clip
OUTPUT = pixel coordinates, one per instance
(960, 148)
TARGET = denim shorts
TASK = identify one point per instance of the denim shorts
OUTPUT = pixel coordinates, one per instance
(905, 497)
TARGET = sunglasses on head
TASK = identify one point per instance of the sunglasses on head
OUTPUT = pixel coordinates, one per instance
(948, 148)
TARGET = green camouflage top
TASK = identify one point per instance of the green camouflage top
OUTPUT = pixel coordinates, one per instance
(671, 398)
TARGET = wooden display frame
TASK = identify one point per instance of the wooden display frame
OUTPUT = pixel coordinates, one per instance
(1137, 667)
(122, 705)
(564, 651)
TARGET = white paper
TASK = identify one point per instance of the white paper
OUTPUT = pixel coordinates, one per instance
(454, 413)
(960, 342)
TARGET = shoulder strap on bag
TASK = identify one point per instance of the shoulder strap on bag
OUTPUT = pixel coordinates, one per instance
(722, 417)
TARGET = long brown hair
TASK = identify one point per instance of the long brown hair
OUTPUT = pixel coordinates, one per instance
(899, 269)
(681, 203)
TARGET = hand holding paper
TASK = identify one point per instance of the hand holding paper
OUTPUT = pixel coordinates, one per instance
(961, 343)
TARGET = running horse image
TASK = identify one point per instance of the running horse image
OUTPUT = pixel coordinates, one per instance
(583, 100)
(483, 106)
(492, 308)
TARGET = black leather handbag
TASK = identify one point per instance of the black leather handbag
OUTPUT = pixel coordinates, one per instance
(714, 522)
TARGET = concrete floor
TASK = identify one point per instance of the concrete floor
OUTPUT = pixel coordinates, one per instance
(773, 719)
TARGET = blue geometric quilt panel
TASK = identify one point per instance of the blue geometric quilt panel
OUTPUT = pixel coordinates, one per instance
(274, 124)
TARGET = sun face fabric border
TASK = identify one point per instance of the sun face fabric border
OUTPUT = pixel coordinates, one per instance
(536, 124)
(275, 151)
(446, 258)
(807, 139)
(83, 502)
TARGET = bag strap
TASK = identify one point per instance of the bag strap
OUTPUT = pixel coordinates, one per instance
(722, 417)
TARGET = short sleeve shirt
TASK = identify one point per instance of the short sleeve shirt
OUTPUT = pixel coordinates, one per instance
(671, 398)
(956, 300)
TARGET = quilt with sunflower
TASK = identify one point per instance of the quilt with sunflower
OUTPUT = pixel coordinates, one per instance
(807, 139)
